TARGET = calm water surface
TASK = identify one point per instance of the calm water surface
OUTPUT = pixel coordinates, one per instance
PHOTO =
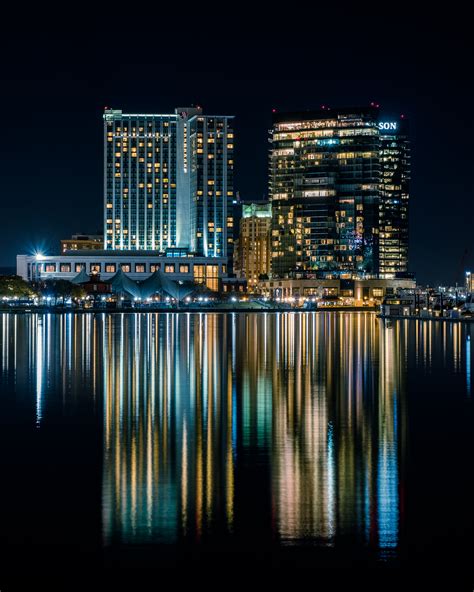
(317, 439)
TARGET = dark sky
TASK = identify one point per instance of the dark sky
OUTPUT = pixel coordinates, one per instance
(56, 78)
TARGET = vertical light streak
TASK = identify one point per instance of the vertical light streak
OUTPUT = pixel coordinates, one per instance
(39, 366)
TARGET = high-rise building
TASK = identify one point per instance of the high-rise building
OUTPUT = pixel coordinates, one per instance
(211, 148)
(333, 184)
(393, 224)
(253, 246)
(169, 182)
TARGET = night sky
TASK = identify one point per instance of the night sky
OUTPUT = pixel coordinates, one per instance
(56, 78)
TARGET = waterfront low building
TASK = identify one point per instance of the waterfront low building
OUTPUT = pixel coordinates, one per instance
(137, 265)
(234, 284)
(402, 305)
(354, 291)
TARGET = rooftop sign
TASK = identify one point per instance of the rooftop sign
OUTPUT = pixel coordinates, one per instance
(386, 126)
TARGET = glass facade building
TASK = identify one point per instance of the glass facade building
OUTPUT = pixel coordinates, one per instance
(331, 193)
(168, 182)
(393, 228)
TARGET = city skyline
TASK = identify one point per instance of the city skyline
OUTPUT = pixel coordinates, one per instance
(56, 100)
(63, 226)
(338, 209)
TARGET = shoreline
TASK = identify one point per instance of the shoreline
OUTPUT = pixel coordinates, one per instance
(229, 310)
(193, 310)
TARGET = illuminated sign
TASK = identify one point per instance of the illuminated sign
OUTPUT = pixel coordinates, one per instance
(388, 125)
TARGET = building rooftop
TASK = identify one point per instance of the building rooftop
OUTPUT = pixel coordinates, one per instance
(124, 253)
(193, 112)
(324, 113)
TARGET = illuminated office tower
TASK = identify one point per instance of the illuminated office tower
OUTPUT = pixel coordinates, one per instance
(393, 230)
(211, 142)
(327, 190)
(168, 182)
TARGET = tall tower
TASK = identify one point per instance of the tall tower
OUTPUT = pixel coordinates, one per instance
(168, 182)
(395, 162)
(212, 187)
(331, 191)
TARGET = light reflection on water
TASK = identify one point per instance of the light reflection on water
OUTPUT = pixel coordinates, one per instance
(194, 405)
